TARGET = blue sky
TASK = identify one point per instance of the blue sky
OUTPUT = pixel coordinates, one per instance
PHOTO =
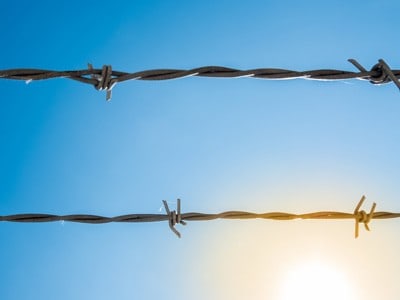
(218, 144)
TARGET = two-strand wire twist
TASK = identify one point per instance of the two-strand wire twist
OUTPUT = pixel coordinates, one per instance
(106, 78)
(177, 217)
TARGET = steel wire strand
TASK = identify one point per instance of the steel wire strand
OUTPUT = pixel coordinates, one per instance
(106, 78)
(176, 217)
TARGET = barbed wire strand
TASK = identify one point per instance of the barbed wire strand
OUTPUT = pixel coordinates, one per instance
(106, 78)
(176, 217)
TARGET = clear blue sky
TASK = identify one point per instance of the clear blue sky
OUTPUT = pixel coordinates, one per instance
(218, 144)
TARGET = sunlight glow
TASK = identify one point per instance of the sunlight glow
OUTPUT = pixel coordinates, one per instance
(316, 280)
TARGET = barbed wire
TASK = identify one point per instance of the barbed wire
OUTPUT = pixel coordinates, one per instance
(176, 217)
(106, 78)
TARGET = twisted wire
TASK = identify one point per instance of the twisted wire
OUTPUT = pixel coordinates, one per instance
(106, 78)
(176, 217)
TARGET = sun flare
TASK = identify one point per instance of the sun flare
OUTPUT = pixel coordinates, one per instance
(314, 280)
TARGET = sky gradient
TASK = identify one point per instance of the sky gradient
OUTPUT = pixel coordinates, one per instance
(218, 144)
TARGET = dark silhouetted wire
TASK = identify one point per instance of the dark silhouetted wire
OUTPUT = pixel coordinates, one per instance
(176, 217)
(106, 78)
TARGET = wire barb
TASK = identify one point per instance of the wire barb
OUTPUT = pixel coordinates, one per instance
(106, 78)
(105, 81)
(360, 216)
(174, 217)
(380, 73)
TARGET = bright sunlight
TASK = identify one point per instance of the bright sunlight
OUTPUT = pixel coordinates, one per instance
(314, 280)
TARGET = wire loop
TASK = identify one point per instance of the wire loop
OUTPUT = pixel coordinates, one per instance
(389, 73)
(380, 75)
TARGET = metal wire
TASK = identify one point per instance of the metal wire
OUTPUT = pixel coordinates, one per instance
(106, 78)
(176, 217)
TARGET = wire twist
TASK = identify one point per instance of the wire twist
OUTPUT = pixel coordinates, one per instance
(106, 78)
(176, 217)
